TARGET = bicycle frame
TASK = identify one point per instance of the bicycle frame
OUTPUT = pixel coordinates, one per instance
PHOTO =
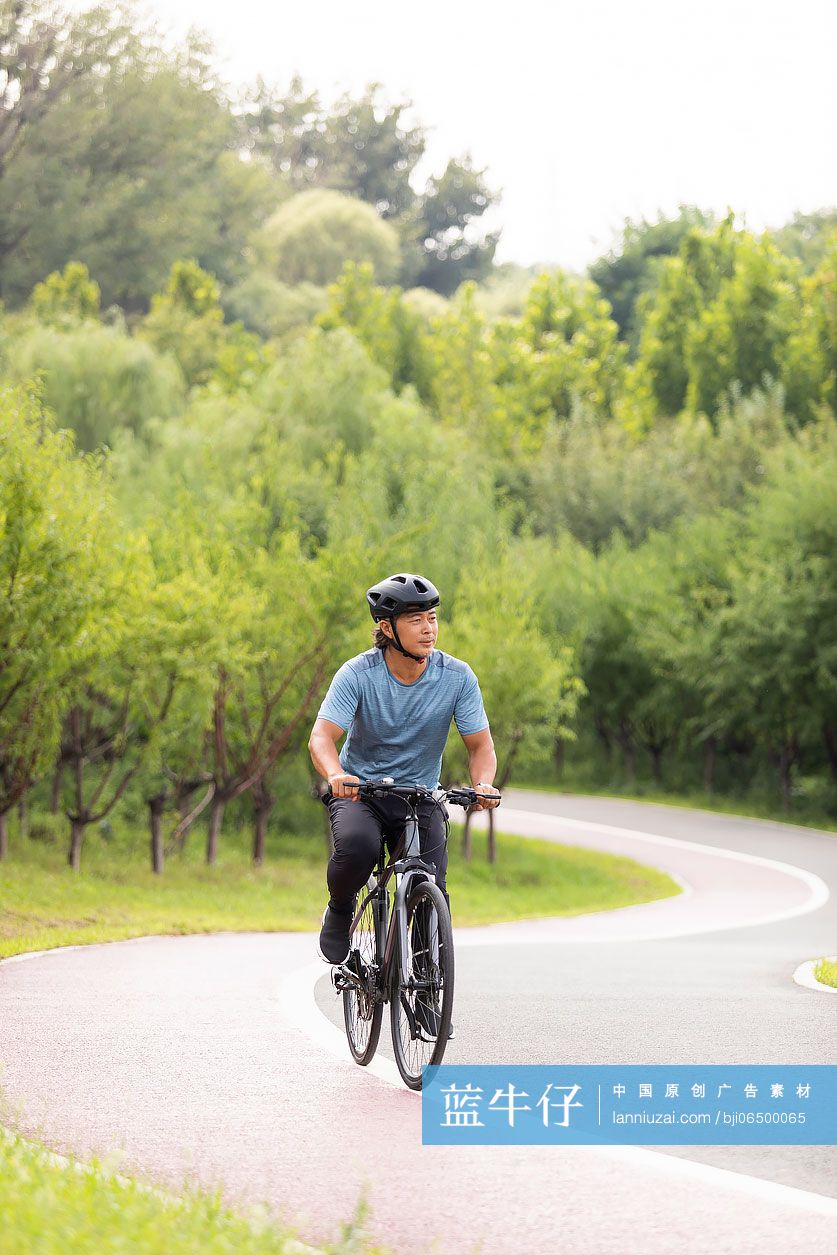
(407, 870)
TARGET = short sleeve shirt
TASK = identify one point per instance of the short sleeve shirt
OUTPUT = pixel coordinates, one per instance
(397, 729)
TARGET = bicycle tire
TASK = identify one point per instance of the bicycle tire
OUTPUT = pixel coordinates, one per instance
(363, 1011)
(412, 1053)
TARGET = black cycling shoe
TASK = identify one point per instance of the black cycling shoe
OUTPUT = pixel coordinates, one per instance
(334, 935)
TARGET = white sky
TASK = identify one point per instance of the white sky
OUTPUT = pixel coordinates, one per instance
(584, 113)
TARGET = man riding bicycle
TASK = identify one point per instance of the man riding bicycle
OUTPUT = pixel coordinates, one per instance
(396, 702)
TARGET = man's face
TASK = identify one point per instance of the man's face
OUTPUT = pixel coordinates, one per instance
(417, 631)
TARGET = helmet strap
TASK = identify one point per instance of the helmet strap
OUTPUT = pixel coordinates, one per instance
(400, 647)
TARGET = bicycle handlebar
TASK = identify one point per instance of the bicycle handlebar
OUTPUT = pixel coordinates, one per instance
(463, 796)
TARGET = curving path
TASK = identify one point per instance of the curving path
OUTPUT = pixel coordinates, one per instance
(219, 1058)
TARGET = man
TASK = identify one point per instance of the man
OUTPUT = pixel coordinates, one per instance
(396, 702)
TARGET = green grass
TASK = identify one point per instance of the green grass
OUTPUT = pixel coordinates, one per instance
(53, 1207)
(116, 896)
(826, 971)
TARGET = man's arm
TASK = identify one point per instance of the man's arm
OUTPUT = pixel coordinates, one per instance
(482, 767)
(322, 746)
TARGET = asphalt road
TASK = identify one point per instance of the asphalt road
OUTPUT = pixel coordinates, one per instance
(219, 1059)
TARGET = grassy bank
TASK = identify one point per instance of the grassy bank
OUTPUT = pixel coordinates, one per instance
(750, 808)
(44, 904)
(826, 971)
(52, 1206)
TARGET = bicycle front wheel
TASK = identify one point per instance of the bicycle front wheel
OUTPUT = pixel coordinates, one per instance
(363, 1007)
(421, 1008)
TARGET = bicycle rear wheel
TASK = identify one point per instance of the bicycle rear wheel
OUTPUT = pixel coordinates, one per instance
(363, 1008)
(421, 1009)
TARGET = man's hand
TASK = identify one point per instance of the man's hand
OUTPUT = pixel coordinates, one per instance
(338, 782)
(490, 797)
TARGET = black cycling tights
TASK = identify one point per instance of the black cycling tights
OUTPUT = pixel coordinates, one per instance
(356, 829)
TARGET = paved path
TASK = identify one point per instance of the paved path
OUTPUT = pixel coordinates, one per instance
(217, 1058)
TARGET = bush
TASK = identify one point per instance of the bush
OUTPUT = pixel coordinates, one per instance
(97, 379)
(312, 235)
(271, 308)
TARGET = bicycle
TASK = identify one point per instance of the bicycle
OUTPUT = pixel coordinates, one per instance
(403, 956)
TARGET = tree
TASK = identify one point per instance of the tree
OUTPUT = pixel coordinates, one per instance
(386, 325)
(186, 320)
(43, 53)
(68, 297)
(130, 167)
(777, 645)
(631, 268)
(441, 247)
(529, 683)
(199, 618)
(728, 311)
(808, 237)
(596, 478)
(271, 308)
(96, 379)
(55, 528)
(365, 148)
(311, 237)
(259, 709)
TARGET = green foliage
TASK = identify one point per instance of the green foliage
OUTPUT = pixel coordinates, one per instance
(631, 269)
(96, 379)
(595, 478)
(392, 332)
(43, 1200)
(503, 293)
(358, 146)
(273, 309)
(425, 302)
(126, 167)
(529, 681)
(69, 297)
(808, 237)
(776, 641)
(441, 248)
(364, 147)
(728, 310)
(187, 322)
(311, 237)
(56, 529)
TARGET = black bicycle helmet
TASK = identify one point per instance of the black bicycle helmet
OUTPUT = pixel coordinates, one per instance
(397, 595)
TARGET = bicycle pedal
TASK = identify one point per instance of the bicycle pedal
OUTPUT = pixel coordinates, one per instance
(342, 979)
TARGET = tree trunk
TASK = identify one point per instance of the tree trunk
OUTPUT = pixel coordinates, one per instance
(466, 838)
(183, 808)
(76, 839)
(829, 735)
(4, 836)
(156, 807)
(709, 748)
(784, 764)
(262, 806)
(656, 752)
(603, 733)
(558, 756)
(492, 841)
(626, 744)
(216, 818)
(23, 816)
(55, 789)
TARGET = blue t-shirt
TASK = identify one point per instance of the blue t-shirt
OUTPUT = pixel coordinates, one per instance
(397, 729)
